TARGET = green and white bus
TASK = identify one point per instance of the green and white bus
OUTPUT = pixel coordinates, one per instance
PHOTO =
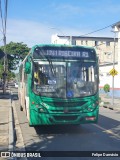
(58, 84)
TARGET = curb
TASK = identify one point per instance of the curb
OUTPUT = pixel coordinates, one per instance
(111, 108)
(20, 147)
(108, 107)
(11, 130)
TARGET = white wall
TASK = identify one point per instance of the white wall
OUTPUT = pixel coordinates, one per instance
(106, 69)
(107, 79)
(59, 40)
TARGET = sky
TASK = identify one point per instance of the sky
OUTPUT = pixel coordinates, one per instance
(34, 21)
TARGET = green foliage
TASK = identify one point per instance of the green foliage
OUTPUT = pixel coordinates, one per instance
(10, 75)
(106, 88)
(18, 51)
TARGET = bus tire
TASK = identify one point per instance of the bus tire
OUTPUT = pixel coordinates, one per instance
(21, 108)
(25, 109)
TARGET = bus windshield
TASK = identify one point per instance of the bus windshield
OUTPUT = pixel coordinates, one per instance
(65, 78)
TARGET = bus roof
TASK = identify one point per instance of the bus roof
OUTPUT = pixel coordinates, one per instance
(60, 45)
(63, 51)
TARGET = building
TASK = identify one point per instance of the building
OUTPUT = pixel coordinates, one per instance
(108, 50)
(104, 45)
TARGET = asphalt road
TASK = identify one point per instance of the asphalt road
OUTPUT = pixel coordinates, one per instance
(104, 136)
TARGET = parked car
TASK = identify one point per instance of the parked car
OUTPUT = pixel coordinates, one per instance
(16, 85)
(1, 85)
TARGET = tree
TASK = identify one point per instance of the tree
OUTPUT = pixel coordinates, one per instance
(106, 88)
(17, 49)
(15, 53)
(10, 75)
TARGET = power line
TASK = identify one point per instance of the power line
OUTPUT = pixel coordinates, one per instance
(96, 30)
(99, 29)
(92, 31)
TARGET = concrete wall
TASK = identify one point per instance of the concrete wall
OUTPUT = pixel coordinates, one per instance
(104, 51)
(104, 47)
(106, 78)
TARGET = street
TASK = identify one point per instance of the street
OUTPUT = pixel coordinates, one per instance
(104, 136)
(59, 67)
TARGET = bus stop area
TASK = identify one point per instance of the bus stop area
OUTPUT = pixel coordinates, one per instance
(6, 122)
(107, 102)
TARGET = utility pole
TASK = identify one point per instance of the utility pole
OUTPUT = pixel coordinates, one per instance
(113, 68)
(5, 67)
(113, 78)
(115, 29)
(4, 22)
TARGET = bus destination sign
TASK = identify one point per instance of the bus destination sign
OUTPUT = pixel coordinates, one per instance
(59, 53)
(64, 52)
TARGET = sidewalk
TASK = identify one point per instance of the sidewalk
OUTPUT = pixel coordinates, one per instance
(106, 101)
(5, 121)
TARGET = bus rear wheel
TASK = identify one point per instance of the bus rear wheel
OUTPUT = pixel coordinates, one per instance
(21, 108)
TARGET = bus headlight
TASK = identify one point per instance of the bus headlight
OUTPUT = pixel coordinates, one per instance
(95, 103)
(91, 107)
(42, 110)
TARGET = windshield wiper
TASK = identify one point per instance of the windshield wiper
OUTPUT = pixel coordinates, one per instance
(51, 67)
(38, 49)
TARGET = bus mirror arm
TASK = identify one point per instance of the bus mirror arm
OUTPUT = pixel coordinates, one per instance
(27, 67)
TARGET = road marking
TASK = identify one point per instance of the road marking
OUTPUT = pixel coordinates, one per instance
(107, 131)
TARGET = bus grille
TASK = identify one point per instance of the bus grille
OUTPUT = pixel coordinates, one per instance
(66, 104)
(69, 111)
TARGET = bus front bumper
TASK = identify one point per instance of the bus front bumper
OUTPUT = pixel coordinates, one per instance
(53, 119)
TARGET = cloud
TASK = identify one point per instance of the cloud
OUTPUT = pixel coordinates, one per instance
(32, 33)
(29, 32)
(68, 8)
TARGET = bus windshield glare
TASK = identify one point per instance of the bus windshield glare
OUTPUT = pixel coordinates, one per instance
(65, 77)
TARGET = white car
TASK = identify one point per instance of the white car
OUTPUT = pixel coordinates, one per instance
(16, 85)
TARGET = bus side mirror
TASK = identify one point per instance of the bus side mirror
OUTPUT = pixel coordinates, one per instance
(27, 67)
